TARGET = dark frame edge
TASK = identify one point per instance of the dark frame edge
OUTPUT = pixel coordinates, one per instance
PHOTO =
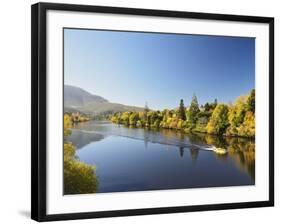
(271, 111)
(34, 113)
(156, 211)
(38, 112)
(153, 12)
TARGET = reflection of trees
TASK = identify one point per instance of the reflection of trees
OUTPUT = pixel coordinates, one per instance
(221, 157)
(240, 150)
(196, 138)
(181, 138)
(80, 138)
(194, 152)
(181, 151)
(217, 141)
(145, 139)
(172, 134)
(78, 177)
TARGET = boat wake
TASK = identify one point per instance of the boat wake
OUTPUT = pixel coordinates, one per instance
(155, 138)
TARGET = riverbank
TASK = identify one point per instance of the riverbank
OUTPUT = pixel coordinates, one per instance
(161, 159)
(183, 130)
(79, 177)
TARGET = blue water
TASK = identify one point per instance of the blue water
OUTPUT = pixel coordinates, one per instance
(129, 159)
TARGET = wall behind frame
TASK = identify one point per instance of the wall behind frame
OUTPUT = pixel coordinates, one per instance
(15, 109)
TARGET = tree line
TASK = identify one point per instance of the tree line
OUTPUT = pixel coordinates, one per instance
(236, 119)
(79, 178)
(77, 117)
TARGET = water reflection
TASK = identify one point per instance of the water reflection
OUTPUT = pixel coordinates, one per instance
(194, 153)
(240, 150)
(194, 166)
(181, 151)
(81, 134)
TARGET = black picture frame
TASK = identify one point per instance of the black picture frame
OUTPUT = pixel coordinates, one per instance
(39, 108)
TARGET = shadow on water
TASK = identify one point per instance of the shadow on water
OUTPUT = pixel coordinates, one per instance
(80, 135)
(240, 156)
(240, 150)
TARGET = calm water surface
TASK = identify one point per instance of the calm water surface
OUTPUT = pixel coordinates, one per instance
(130, 159)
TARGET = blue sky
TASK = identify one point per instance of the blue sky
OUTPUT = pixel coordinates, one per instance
(133, 67)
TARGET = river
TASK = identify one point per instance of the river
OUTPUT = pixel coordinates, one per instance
(132, 159)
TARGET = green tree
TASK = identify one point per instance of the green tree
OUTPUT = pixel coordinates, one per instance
(251, 101)
(193, 110)
(182, 111)
(236, 114)
(67, 124)
(146, 108)
(219, 121)
(215, 103)
(79, 178)
(145, 111)
(202, 121)
(248, 127)
(125, 117)
(231, 120)
(207, 107)
(133, 118)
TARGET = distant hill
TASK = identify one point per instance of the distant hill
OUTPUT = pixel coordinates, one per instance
(77, 99)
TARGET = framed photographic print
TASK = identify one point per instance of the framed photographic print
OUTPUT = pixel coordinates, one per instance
(139, 111)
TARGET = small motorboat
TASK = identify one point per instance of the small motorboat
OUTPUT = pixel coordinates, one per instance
(220, 151)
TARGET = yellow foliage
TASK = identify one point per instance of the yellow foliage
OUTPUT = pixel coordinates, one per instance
(180, 124)
(78, 177)
(68, 150)
(218, 121)
(67, 124)
(213, 118)
(248, 126)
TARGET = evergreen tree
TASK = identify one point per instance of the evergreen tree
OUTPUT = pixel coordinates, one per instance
(182, 111)
(193, 110)
(216, 102)
(236, 119)
(146, 110)
(207, 107)
(251, 102)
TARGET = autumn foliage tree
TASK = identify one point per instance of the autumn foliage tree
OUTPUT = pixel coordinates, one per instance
(78, 177)
(236, 119)
(247, 128)
(218, 122)
(241, 116)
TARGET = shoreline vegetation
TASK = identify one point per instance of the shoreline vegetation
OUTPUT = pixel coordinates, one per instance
(231, 120)
(212, 119)
(79, 177)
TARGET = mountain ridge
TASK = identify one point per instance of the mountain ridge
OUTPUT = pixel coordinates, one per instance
(78, 99)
